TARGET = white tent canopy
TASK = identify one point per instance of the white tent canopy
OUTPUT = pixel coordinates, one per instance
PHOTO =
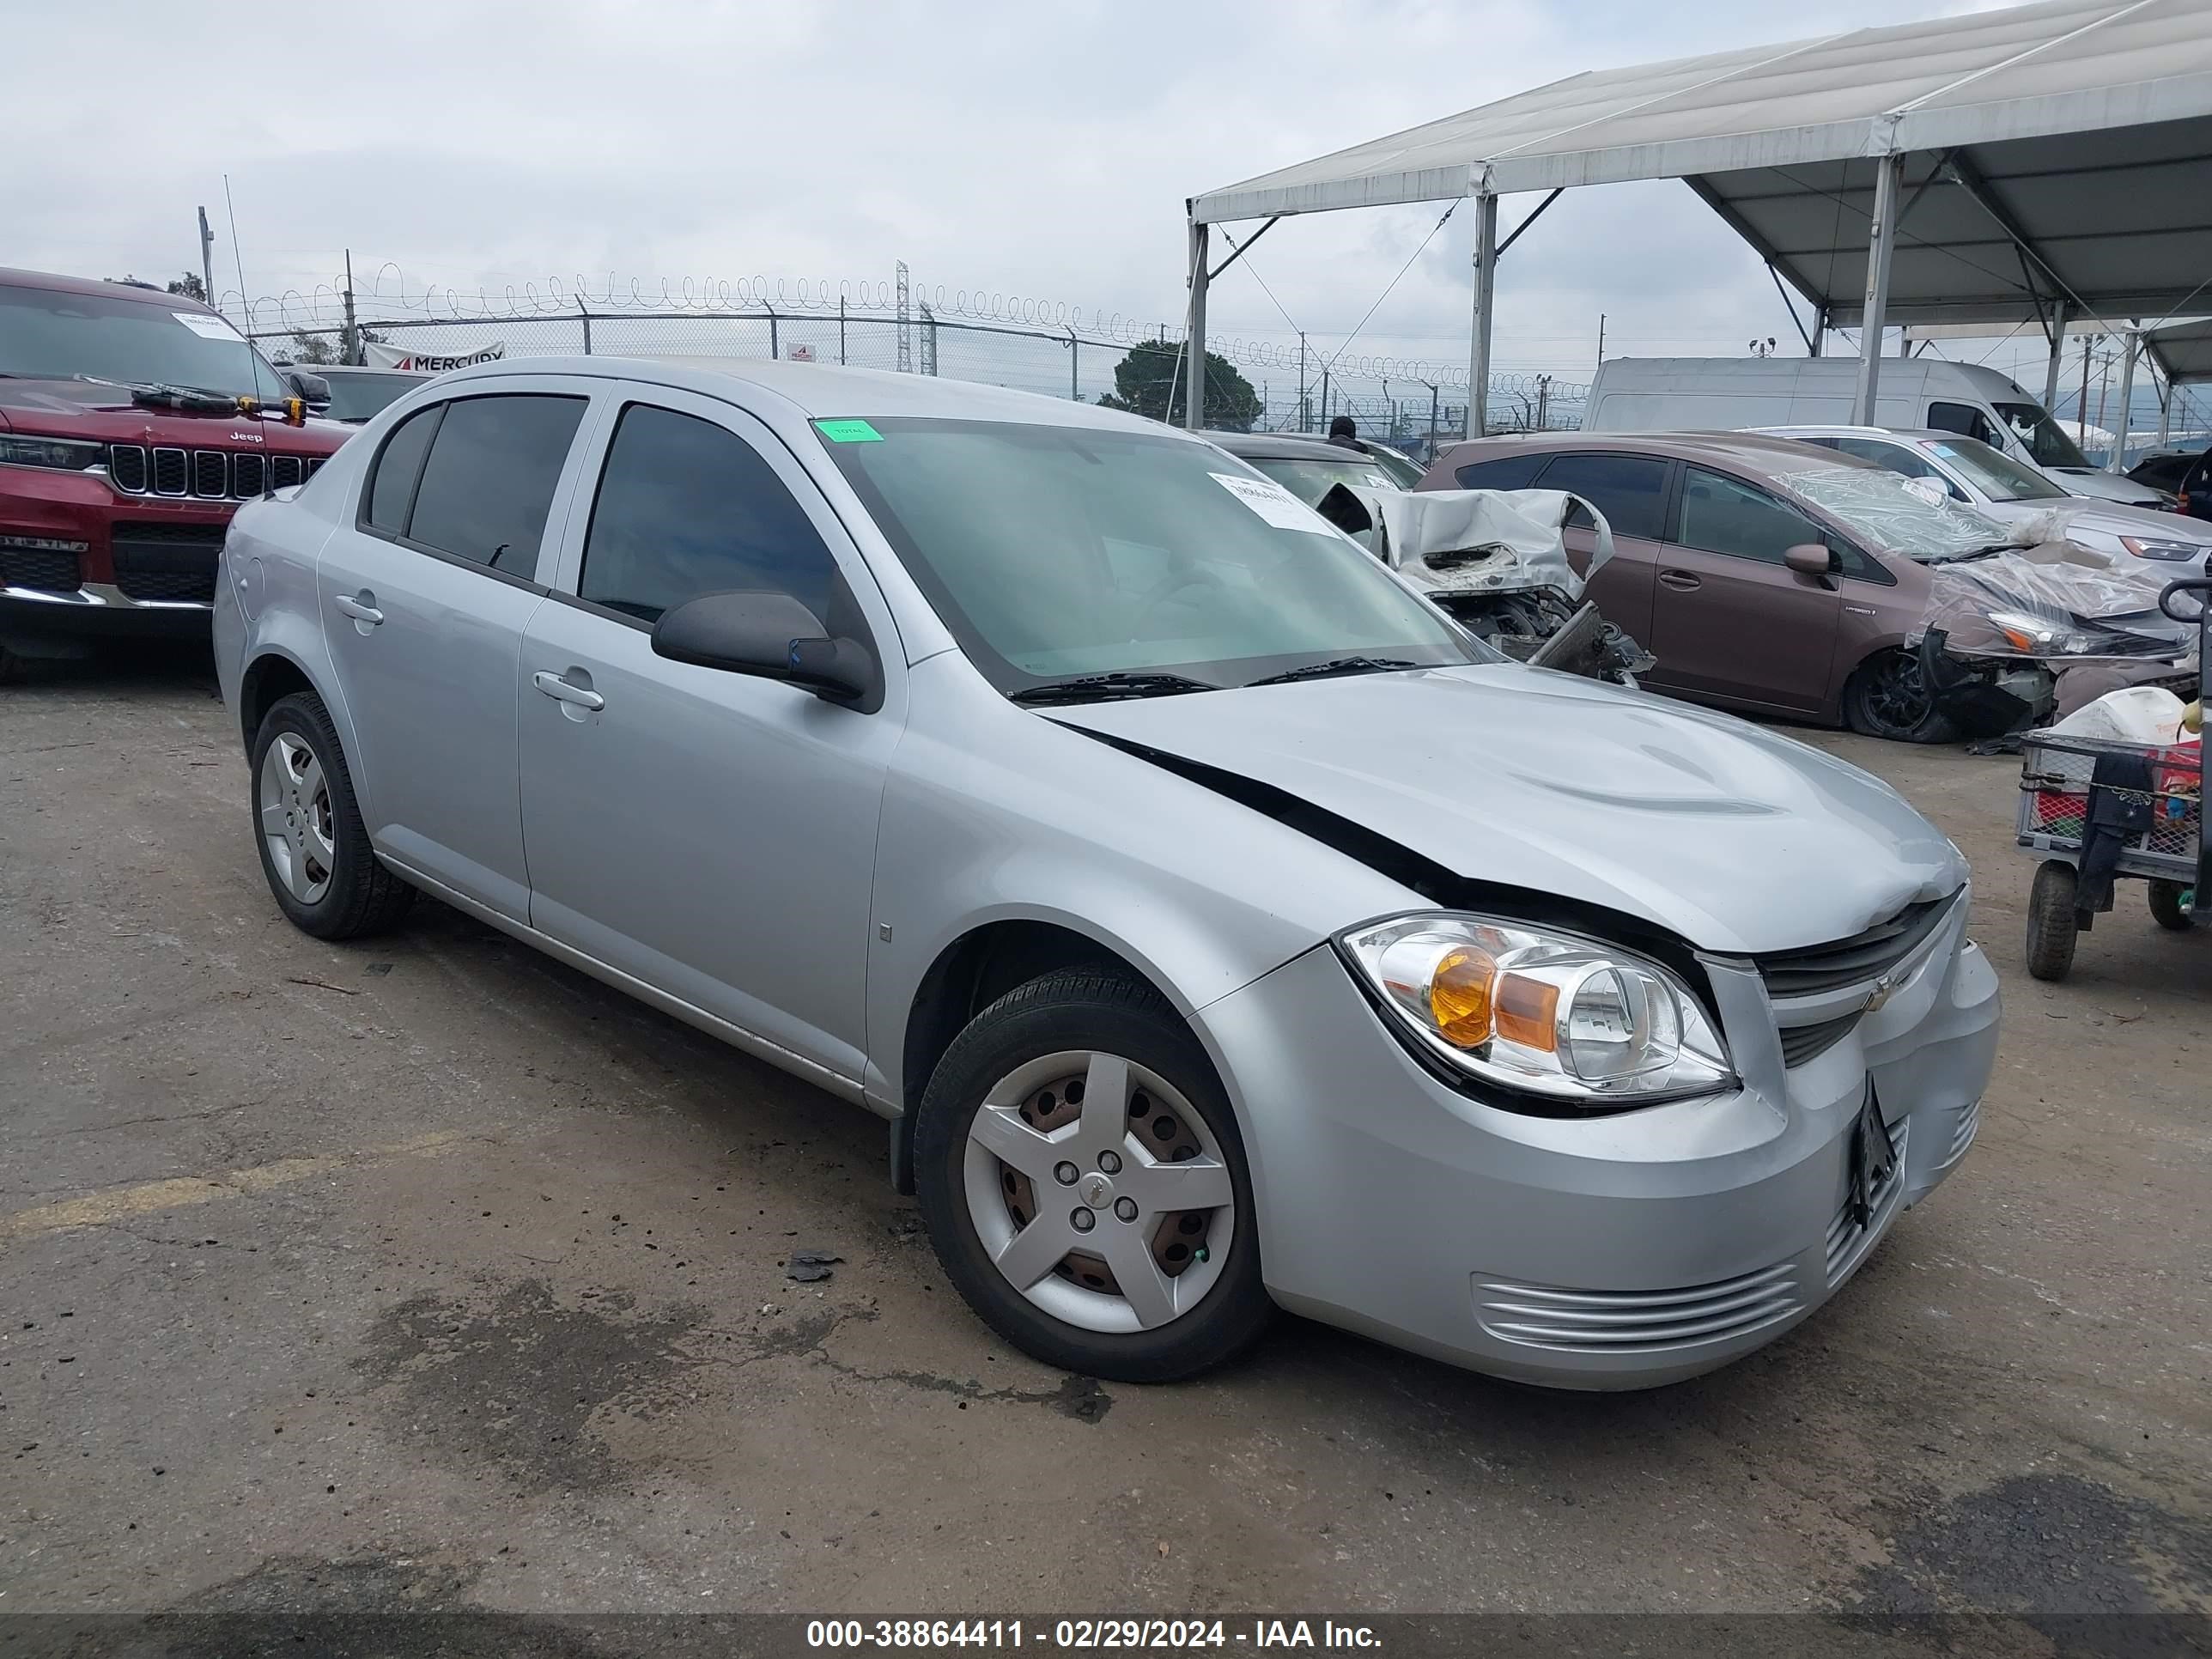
(2182, 351)
(2003, 165)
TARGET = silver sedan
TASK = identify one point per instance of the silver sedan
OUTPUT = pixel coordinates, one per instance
(1215, 925)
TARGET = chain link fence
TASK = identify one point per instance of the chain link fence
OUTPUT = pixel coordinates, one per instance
(1065, 362)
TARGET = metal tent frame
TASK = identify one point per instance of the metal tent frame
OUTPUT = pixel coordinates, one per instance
(2009, 166)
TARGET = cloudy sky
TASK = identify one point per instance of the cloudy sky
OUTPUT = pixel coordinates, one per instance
(1042, 151)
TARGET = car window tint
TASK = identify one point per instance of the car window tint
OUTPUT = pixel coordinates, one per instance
(1963, 418)
(686, 507)
(488, 484)
(1722, 515)
(1507, 472)
(391, 488)
(1631, 491)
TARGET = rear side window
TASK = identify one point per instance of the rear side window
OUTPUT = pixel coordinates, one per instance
(1967, 419)
(1507, 472)
(488, 484)
(1722, 515)
(686, 507)
(391, 488)
(1631, 491)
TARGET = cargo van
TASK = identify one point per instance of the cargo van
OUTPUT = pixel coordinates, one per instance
(1705, 394)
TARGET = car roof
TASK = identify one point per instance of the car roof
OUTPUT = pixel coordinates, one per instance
(824, 392)
(1757, 451)
(52, 283)
(1909, 434)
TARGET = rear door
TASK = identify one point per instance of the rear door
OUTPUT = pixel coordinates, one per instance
(1729, 619)
(425, 598)
(1631, 491)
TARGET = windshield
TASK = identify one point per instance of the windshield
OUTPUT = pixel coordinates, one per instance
(1053, 552)
(1898, 514)
(48, 335)
(1996, 475)
(1310, 480)
(362, 396)
(2046, 440)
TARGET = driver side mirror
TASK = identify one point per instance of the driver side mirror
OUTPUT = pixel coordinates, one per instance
(772, 636)
(1814, 559)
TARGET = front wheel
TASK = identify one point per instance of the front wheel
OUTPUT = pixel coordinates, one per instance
(1887, 696)
(2169, 906)
(2052, 928)
(1085, 1184)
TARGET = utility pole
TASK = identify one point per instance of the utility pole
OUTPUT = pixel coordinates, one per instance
(1543, 403)
(1433, 395)
(2082, 406)
(207, 259)
(1600, 339)
(350, 349)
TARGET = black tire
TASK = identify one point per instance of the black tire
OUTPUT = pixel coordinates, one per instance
(1885, 698)
(2167, 908)
(361, 896)
(2051, 927)
(1104, 1009)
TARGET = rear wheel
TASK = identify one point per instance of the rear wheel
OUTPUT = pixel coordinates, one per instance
(1085, 1184)
(2169, 906)
(2051, 926)
(314, 849)
(1887, 696)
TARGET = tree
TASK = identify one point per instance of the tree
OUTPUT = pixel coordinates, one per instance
(313, 348)
(1141, 381)
(190, 286)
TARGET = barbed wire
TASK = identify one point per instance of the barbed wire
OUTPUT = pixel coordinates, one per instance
(387, 298)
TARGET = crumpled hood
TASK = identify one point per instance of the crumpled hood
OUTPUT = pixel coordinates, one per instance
(1731, 837)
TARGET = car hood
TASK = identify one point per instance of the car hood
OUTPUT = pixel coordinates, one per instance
(2111, 519)
(2099, 485)
(1729, 836)
(85, 409)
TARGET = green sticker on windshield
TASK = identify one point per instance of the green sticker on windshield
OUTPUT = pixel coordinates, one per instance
(848, 432)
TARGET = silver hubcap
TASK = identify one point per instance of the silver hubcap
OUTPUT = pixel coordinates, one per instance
(295, 818)
(1099, 1192)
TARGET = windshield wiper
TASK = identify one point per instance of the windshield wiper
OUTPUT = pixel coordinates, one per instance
(1105, 688)
(1334, 665)
(155, 394)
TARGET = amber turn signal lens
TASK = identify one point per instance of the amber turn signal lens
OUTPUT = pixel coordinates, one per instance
(1459, 997)
(1528, 1012)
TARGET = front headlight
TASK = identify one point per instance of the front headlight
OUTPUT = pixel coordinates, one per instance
(2036, 636)
(1551, 1014)
(69, 454)
(2144, 547)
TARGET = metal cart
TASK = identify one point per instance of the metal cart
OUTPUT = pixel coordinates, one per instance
(2135, 810)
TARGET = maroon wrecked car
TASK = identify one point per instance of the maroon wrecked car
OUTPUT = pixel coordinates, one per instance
(132, 422)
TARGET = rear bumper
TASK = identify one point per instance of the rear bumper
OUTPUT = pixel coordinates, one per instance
(1618, 1252)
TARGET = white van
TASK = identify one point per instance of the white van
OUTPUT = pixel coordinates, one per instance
(1702, 394)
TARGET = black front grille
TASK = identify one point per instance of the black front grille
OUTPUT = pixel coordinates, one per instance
(127, 466)
(26, 567)
(172, 472)
(1854, 960)
(170, 562)
(211, 473)
(249, 474)
(1802, 1044)
(284, 471)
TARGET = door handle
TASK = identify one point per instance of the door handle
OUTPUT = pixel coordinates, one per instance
(361, 610)
(562, 691)
(1682, 581)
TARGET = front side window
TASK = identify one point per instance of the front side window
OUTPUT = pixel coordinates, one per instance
(1721, 514)
(1054, 552)
(1995, 475)
(1631, 491)
(686, 507)
(488, 483)
(2044, 439)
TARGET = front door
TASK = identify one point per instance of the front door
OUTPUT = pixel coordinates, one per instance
(1728, 618)
(424, 600)
(711, 833)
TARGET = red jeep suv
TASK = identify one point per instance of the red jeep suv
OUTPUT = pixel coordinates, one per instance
(125, 448)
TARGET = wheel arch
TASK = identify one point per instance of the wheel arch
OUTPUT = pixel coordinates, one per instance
(970, 973)
(271, 676)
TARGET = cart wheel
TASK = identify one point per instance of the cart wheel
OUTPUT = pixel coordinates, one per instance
(2051, 924)
(2169, 905)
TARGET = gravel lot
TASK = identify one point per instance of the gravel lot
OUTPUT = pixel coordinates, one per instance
(430, 1273)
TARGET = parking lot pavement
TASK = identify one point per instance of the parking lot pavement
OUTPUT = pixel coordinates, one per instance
(426, 1272)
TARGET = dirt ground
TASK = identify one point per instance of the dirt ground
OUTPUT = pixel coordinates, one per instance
(428, 1274)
